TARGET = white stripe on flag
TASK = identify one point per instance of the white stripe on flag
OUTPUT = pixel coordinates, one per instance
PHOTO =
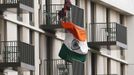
(75, 45)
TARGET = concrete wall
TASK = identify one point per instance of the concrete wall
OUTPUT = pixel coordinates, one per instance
(125, 5)
(10, 72)
(25, 34)
(88, 64)
(36, 13)
(114, 16)
(43, 52)
(11, 31)
(42, 40)
(100, 14)
(130, 51)
(114, 67)
(101, 65)
(56, 48)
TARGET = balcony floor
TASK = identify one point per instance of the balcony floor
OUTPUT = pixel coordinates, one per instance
(50, 28)
(16, 64)
(103, 43)
(8, 5)
(97, 45)
(16, 5)
(22, 65)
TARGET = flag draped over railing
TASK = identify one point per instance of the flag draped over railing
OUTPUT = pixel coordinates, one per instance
(75, 46)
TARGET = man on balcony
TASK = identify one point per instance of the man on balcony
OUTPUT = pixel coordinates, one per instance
(63, 11)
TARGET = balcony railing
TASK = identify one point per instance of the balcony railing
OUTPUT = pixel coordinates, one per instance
(13, 53)
(108, 34)
(15, 3)
(75, 15)
(29, 3)
(55, 8)
(62, 67)
(57, 67)
(9, 1)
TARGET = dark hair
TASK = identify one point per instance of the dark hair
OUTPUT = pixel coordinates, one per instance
(62, 13)
(67, 5)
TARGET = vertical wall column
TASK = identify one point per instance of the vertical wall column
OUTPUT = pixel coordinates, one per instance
(49, 39)
(43, 54)
(130, 51)
(49, 55)
(36, 44)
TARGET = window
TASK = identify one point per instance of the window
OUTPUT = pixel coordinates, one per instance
(108, 66)
(122, 53)
(93, 11)
(77, 2)
(19, 33)
(121, 19)
(31, 72)
(107, 15)
(122, 69)
(31, 37)
(1, 12)
(110, 35)
(31, 20)
(94, 64)
(19, 14)
(93, 19)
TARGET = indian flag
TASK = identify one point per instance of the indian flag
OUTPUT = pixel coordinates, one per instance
(75, 46)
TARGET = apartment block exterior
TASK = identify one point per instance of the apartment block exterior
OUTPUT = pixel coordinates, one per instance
(31, 37)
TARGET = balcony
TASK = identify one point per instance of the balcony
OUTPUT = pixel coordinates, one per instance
(75, 15)
(23, 4)
(16, 54)
(61, 67)
(107, 34)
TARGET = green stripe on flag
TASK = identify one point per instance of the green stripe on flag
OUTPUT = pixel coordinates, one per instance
(69, 55)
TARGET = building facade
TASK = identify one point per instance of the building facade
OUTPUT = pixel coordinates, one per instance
(31, 37)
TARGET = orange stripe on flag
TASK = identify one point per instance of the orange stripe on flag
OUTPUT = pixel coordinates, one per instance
(77, 31)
